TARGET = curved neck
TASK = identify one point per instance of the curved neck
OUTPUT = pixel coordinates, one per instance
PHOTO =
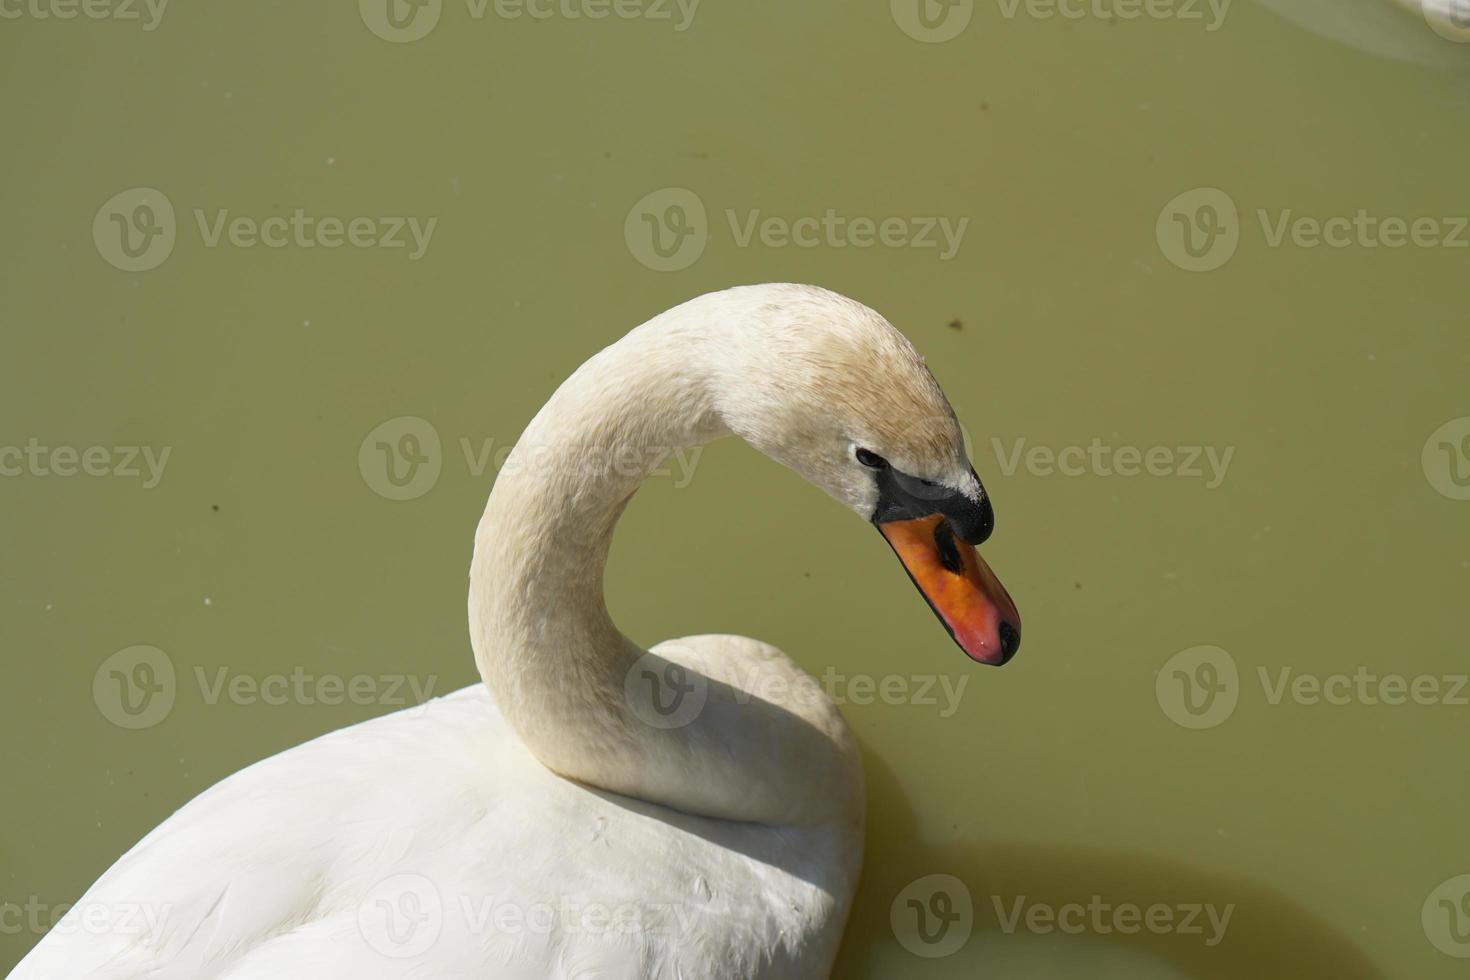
(544, 642)
(537, 613)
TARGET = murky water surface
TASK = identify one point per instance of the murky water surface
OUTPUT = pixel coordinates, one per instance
(1196, 281)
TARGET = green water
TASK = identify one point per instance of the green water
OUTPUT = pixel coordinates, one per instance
(1333, 539)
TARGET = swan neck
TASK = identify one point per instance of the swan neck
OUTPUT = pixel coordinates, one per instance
(568, 682)
(543, 639)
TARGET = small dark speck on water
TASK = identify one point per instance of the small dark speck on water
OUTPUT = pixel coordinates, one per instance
(984, 105)
(214, 507)
(957, 324)
(1077, 585)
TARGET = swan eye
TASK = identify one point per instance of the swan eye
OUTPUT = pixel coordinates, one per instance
(871, 460)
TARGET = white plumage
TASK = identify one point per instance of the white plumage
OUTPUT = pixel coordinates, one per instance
(1423, 32)
(281, 871)
(544, 824)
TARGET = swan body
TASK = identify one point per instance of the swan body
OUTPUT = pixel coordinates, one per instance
(559, 820)
(430, 843)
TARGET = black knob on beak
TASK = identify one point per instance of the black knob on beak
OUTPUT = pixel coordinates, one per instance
(972, 521)
(904, 497)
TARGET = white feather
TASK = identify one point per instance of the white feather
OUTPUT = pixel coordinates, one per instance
(537, 826)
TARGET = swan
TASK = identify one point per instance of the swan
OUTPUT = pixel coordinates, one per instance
(1423, 32)
(592, 809)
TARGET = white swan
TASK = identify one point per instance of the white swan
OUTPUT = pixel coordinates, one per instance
(592, 809)
(1426, 32)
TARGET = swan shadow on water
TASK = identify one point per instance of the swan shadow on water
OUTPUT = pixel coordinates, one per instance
(1268, 934)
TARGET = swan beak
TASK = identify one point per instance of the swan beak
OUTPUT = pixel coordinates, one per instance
(961, 589)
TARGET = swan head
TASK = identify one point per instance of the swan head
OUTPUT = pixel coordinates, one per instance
(831, 389)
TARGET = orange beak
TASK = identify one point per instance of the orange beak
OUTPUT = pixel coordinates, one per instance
(961, 589)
